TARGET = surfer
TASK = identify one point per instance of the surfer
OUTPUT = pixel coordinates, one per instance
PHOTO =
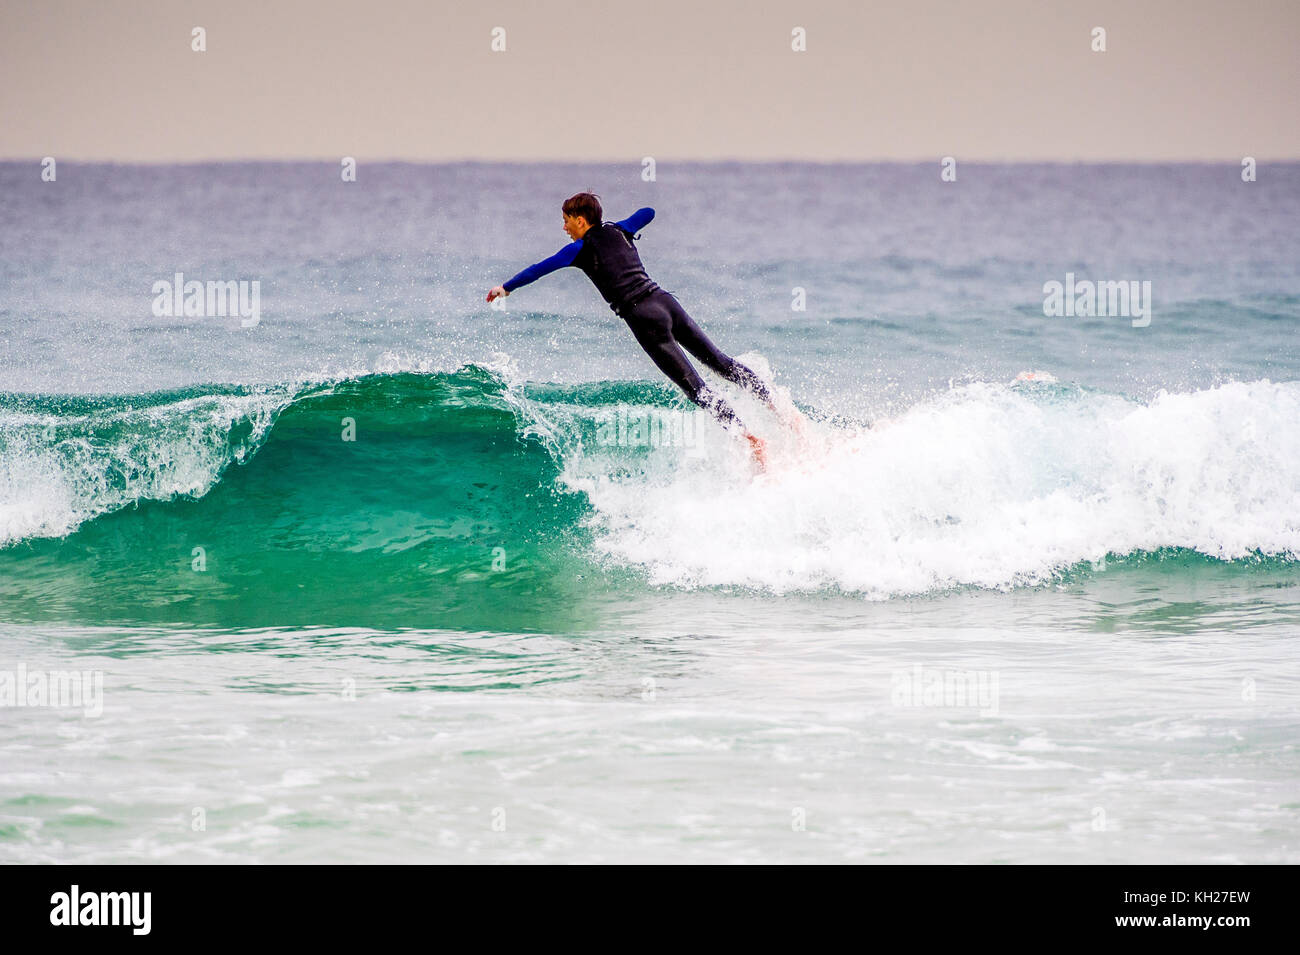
(605, 251)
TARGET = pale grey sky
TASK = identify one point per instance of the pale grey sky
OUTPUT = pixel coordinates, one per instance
(672, 79)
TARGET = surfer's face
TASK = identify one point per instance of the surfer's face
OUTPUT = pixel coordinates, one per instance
(575, 226)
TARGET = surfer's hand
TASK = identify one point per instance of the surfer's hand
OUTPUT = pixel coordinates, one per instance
(497, 292)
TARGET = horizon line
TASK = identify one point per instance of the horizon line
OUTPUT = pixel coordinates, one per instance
(769, 161)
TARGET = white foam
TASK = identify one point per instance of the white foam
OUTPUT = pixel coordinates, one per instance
(59, 471)
(987, 485)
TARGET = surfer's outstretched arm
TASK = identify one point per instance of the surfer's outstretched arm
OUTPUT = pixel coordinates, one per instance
(637, 220)
(559, 260)
(567, 255)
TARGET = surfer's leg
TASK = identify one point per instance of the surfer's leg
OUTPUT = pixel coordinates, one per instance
(651, 323)
(693, 339)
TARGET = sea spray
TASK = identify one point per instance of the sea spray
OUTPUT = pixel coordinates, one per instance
(986, 485)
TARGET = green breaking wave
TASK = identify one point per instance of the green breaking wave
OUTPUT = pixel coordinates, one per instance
(439, 514)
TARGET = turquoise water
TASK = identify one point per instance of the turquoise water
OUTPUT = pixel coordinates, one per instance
(397, 576)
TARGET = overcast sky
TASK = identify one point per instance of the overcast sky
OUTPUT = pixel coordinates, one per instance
(672, 79)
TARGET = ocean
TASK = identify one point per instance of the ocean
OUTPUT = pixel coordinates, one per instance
(383, 573)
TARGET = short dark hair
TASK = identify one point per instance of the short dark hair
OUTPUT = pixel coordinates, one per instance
(585, 204)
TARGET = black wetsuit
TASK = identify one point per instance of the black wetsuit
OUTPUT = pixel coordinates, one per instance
(608, 255)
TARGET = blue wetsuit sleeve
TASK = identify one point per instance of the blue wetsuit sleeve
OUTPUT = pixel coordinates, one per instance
(559, 260)
(637, 220)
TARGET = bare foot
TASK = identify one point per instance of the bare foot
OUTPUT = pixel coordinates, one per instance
(796, 423)
(789, 416)
(758, 447)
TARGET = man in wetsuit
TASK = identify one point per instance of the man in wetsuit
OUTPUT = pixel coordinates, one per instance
(605, 251)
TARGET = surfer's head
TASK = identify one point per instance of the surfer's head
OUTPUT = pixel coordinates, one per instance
(581, 212)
